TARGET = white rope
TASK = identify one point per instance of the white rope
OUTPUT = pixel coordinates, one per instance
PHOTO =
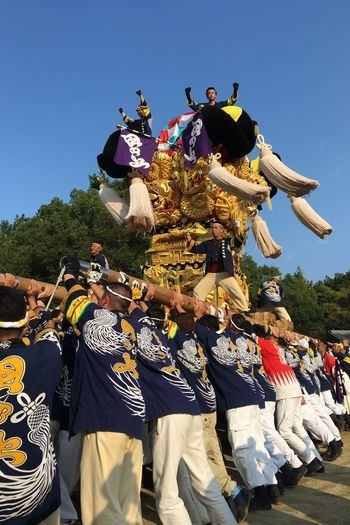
(59, 279)
(261, 144)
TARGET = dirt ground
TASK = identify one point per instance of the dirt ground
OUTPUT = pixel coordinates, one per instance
(323, 499)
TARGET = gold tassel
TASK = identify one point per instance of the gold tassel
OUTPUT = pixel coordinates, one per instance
(140, 216)
(113, 202)
(263, 239)
(307, 216)
(247, 191)
(280, 175)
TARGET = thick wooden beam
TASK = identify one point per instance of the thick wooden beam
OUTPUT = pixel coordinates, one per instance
(24, 282)
(161, 295)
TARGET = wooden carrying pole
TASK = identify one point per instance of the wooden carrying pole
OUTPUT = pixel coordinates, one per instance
(23, 283)
(161, 295)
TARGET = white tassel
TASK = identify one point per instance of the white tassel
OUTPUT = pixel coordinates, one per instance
(140, 216)
(280, 175)
(307, 216)
(113, 202)
(247, 191)
(263, 239)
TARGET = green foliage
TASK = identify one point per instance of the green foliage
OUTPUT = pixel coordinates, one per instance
(314, 308)
(33, 247)
(333, 295)
(302, 305)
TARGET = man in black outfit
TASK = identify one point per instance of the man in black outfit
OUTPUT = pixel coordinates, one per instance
(211, 95)
(143, 123)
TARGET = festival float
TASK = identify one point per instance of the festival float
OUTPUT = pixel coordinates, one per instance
(201, 168)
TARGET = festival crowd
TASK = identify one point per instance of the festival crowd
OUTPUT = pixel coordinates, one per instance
(110, 384)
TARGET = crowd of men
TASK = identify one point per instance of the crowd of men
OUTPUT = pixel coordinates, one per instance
(110, 382)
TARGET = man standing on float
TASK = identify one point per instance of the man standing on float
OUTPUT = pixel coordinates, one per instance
(219, 268)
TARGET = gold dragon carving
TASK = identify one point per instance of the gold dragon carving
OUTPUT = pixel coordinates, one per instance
(185, 200)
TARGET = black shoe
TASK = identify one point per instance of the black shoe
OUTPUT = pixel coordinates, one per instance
(315, 466)
(260, 501)
(274, 494)
(239, 505)
(280, 482)
(299, 473)
(289, 478)
(333, 451)
(256, 504)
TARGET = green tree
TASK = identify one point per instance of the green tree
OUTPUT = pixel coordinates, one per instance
(301, 298)
(334, 300)
(302, 304)
(255, 276)
(33, 247)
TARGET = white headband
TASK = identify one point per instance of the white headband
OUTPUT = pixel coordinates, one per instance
(118, 294)
(15, 324)
(237, 327)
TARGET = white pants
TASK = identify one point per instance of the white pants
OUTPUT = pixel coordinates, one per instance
(251, 458)
(290, 425)
(317, 421)
(274, 440)
(181, 436)
(335, 407)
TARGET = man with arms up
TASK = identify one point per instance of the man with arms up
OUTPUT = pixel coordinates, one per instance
(107, 403)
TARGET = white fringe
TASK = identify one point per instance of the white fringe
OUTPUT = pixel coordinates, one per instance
(280, 175)
(307, 216)
(247, 191)
(263, 239)
(113, 202)
(140, 216)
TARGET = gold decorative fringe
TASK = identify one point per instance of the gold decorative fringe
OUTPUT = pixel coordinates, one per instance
(307, 216)
(263, 239)
(140, 216)
(245, 190)
(113, 202)
(280, 175)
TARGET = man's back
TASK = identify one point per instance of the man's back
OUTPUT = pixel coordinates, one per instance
(106, 380)
(28, 475)
(165, 389)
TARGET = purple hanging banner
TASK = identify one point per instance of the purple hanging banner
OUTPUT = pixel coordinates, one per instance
(195, 141)
(135, 150)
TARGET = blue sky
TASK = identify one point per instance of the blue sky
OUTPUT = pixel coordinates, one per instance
(67, 66)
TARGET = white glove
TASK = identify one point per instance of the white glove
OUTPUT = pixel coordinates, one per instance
(94, 275)
(139, 290)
